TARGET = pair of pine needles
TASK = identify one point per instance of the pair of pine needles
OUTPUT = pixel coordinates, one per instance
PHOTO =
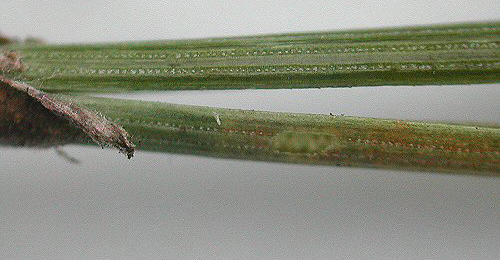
(430, 55)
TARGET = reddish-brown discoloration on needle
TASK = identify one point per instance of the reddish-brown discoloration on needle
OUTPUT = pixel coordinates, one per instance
(11, 61)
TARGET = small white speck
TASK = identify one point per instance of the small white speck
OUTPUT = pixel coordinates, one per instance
(217, 118)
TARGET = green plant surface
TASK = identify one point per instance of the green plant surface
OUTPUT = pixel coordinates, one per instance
(444, 54)
(304, 138)
(433, 55)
